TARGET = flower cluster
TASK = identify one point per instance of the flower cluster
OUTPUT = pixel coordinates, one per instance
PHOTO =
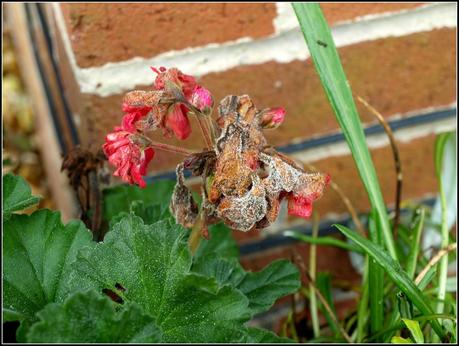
(243, 178)
(165, 107)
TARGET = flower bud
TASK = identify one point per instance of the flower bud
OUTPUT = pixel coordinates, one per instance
(271, 118)
(201, 98)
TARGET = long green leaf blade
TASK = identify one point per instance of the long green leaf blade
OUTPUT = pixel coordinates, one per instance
(325, 56)
(440, 145)
(415, 242)
(326, 240)
(396, 273)
(375, 281)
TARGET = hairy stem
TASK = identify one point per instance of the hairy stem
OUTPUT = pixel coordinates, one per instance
(196, 232)
(162, 146)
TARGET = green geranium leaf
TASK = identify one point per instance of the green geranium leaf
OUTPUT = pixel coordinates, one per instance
(150, 265)
(87, 317)
(221, 242)
(276, 280)
(17, 195)
(224, 270)
(37, 253)
(261, 336)
(261, 288)
(148, 213)
(119, 198)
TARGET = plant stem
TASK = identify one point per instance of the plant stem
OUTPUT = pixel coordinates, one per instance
(196, 232)
(327, 307)
(205, 132)
(398, 163)
(165, 147)
(206, 128)
(312, 269)
(347, 203)
(439, 256)
(414, 251)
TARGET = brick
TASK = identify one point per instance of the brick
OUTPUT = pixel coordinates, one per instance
(419, 180)
(102, 33)
(339, 12)
(395, 75)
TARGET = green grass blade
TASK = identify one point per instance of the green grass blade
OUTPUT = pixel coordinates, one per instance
(400, 340)
(362, 310)
(396, 273)
(324, 285)
(327, 241)
(375, 281)
(440, 145)
(415, 242)
(327, 62)
(415, 330)
(312, 270)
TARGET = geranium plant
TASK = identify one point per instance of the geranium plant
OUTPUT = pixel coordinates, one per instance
(243, 179)
(150, 279)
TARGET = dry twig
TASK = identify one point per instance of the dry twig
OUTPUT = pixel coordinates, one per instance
(398, 163)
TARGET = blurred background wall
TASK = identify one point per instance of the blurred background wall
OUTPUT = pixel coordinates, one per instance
(78, 60)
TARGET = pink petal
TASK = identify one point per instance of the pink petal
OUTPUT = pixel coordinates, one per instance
(201, 98)
(299, 206)
(178, 122)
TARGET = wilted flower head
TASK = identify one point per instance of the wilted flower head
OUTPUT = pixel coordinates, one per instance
(128, 157)
(243, 178)
(246, 179)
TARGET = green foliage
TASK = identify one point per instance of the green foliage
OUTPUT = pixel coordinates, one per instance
(153, 266)
(88, 317)
(415, 330)
(17, 195)
(400, 260)
(221, 243)
(38, 251)
(396, 273)
(261, 336)
(141, 284)
(325, 240)
(119, 198)
(400, 340)
(261, 288)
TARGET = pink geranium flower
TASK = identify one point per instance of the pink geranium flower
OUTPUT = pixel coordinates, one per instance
(130, 159)
(133, 114)
(172, 81)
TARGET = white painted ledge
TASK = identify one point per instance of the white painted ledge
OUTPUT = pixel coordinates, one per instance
(286, 45)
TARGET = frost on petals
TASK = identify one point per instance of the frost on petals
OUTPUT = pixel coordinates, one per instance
(271, 118)
(201, 98)
(130, 160)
